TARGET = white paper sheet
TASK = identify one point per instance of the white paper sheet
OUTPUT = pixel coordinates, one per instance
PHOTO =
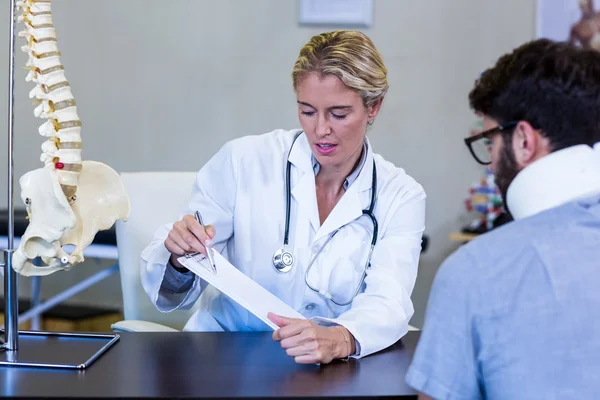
(239, 287)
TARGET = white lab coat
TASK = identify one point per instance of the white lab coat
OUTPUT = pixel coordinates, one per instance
(241, 191)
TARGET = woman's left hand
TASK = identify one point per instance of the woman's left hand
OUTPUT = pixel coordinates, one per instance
(310, 343)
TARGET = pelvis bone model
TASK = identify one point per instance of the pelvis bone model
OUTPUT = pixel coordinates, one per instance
(68, 200)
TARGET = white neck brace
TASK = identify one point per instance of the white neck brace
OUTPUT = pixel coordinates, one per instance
(556, 179)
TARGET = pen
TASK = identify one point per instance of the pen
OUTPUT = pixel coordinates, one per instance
(208, 248)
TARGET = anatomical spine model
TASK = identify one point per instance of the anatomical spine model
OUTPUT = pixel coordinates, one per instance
(68, 200)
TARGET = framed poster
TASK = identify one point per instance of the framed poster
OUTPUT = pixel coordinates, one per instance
(575, 21)
(358, 13)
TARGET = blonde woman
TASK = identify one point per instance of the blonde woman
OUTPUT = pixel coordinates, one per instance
(313, 215)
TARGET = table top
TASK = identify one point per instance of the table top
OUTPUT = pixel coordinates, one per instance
(211, 365)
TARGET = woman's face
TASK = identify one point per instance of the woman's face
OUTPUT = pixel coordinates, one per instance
(334, 119)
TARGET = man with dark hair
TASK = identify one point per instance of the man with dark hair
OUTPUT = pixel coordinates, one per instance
(514, 313)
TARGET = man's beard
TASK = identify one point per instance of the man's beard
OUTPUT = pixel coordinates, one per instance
(506, 170)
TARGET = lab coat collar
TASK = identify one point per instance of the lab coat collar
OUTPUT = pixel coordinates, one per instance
(303, 187)
(301, 155)
(350, 205)
(558, 178)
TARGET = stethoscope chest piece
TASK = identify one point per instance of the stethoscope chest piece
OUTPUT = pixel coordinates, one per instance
(283, 260)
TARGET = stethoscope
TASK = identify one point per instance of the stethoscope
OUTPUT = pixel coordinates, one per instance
(283, 259)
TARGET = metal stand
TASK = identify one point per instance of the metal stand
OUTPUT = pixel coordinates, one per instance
(38, 308)
(36, 299)
(53, 347)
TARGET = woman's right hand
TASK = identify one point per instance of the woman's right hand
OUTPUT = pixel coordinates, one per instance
(187, 236)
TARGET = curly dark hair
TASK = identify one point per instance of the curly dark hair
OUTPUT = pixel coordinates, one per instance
(552, 85)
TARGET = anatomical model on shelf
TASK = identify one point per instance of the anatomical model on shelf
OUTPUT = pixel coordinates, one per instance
(485, 200)
(67, 200)
(586, 31)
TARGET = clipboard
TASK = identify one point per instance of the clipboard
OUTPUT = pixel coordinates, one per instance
(239, 287)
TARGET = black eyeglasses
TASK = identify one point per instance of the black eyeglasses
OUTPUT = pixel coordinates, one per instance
(480, 145)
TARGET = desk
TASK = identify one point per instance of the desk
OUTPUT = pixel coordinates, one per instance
(214, 365)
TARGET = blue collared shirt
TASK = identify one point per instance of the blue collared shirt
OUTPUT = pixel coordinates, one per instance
(354, 174)
(515, 314)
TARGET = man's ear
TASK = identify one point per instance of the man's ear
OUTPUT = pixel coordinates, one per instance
(528, 144)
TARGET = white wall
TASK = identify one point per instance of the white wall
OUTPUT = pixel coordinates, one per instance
(162, 84)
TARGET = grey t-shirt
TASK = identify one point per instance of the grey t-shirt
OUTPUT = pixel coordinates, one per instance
(515, 314)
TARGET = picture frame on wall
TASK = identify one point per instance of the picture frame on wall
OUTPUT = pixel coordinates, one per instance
(574, 21)
(347, 13)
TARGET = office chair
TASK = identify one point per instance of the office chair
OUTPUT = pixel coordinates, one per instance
(157, 198)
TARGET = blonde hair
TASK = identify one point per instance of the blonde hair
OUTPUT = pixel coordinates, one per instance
(349, 55)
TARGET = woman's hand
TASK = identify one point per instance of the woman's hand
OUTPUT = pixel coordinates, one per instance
(310, 343)
(187, 236)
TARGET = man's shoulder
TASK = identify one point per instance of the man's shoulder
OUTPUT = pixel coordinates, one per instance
(520, 238)
(509, 241)
(521, 230)
(508, 252)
